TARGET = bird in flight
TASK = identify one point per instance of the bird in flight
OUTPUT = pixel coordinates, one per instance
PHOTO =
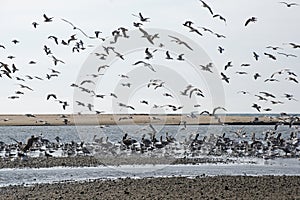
(207, 6)
(51, 95)
(178, 41)
(224, 77)
(47, 19)
(289, 4)
(252, 19)
(142, 19)
(145, 64)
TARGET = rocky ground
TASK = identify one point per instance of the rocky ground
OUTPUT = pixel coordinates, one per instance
(220, 187)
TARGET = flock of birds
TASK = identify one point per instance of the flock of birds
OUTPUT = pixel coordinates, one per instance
(77, 44)
(270, 144)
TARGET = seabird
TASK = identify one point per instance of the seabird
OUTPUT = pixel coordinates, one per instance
(224, 77)
(178, 41)
(252, 19)
(145, 64)
(47, 19)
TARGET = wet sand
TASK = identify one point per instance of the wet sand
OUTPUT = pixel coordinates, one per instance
(219, 187)
(110, 119)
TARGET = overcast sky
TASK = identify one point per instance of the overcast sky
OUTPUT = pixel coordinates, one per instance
(276, 25)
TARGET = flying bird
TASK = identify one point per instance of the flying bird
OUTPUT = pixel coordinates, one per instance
(207, 6)
(51, 95)
(224, 77)
(145, 64)
(47, 19)
(229, 64)
(35, 24)
(252, 19)
(289, 4)
(178, 41)
(55, 60)
(142, 19)
(270, 56)
(255, 55)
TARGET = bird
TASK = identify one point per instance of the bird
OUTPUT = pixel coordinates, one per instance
(289, 4)
(26, 87)
(53, 38)
(295, 46)
(149, 54)
(220, 17)
(221, 49)
(76, 28)
(270, 56)
(126, 106)
(256, 106)
(35, 24)
(256, 76)
(55, 60)
(178, 41)
(188, 23)
(142, 19)
(47, 19)
(207, 6)
(218, 108)
(287, 55)
(256, 56)
(198, 92)
(2, 46)
(207, 67)
(87, 81)
(180, 57)
(168, 56)
(229, 64)
(252, 19)
(14, 68)
(149, 37)
(51, 95)
(15, 41)
(267, 94)
(145, 64)
(224, 77)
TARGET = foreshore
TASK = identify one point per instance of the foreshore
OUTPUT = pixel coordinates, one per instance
(201, 187)
(119, 119)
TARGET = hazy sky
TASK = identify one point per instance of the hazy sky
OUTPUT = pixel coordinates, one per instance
(276, 25)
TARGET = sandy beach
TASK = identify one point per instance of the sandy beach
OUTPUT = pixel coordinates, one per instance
(219, 187)
(110, 119)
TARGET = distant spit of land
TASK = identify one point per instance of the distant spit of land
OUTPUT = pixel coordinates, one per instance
(112, 119)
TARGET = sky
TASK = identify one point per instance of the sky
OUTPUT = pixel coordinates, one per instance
(276, 25)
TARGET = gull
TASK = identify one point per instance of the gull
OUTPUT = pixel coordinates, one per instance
(245, 65)
(126, 84)
(35, 24)
(218, 108)
(39, 78)
(271, 80)
(100, 96)
(87, 81)
(186, 90)
(144, 102)
(204, 112)
(192, 29)
(147, 35)
(137, 24)
(54, 71)
(51, 75)
(32, 62)
(243, 92)
(287, 55)
(119, 55)
(1, 46)
(168, 56)
(198, 92)
(19, 79)
(10, 57)
(124, 31)
(295, 46)
(90, 106)
(290, 97)
(224, 77)
(278, 72)
(229, 64)
(149, 54)
(13, 97)
(107, 49)
(24, 86)
(123, 76)
(180, 57)
(270, 56)
(220, 17)
(291, 73)
(76, 28)
(102, 67)
(240, 72)
(178, 41)
(15, 41)
(219, 35)
(54, 38)
(260, 98)
(142, 19)
(267, 94)
(274, 48)
(29, 77)
(19, 92)
(188, 23)
(80, 103)
(252, 19)
(51, 95)
(47, 19)
(207, 6)
(206, 29)
(207, 67)
(47, 50)
(256, 106)
(256, 75)
(145, 64)
(55, 60)
(221, 49)
(256, 56)
(116, 35)
(289, 4)
(125, 106)
(113, 95)
(292, 79)
(276, 102)
(168, 95)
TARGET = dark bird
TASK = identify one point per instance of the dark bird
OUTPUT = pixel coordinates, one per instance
(256, 76)
(274, 48)
(55, 60)
(168, 56)
(149, 37)
(295, 46)
(267, 94)
(207, 67)
(180, 57)
(51, 95)
(270, 56)
(289, 4)
(252, 19)
(15, 41)
(144, 102)
(25, 87)
(217, 108)
(197, 91)
(1, 46)
(287, 55)
(142, 19)
(292, 79)
(53, 38)
(76, 28)
(207, 6)
(47, 19)
(149, 54)
(220, 17)
(229, 64)
(221, 49)
(224, 77)
(192, 29)
(188, 23)
(125, 106)
(35, 24)
(256, 106)
(256, 56)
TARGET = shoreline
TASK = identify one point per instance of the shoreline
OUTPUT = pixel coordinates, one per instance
(129, 119)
